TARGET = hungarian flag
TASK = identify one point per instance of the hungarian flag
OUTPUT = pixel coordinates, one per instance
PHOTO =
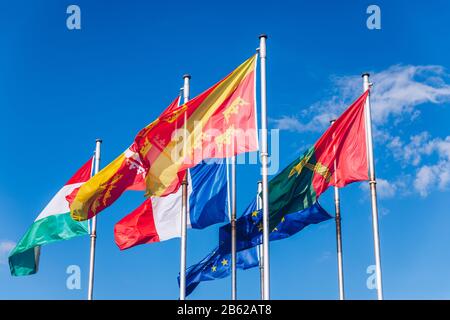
(219, 123)
(53, 224)
(126, 172)
(338, 158)
(159, 218)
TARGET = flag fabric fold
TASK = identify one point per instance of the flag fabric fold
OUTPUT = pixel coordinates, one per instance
(53, 224)
(248, 235)
(217, 265)
(126, 172)
(249, 226)
(218, 123)
(158, 218)
(338, 158)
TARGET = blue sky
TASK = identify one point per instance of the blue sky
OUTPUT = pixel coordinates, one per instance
(62, 89)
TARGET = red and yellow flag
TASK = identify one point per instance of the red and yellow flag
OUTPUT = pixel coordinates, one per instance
(218, 123)
(126, 172)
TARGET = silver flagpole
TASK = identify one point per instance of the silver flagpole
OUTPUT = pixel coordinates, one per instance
(184, 204)
(98, 143)
(373, 189)
(337, 206)
(233, 230)
(264, 167)
(260, 249)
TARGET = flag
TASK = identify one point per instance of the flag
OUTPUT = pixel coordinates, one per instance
(217, 265)
(218, 123)
(53, 224)
(249, 226)
(159, 218)
(126, 172)
(338, 158)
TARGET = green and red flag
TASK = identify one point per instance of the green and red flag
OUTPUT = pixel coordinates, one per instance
(338, 158)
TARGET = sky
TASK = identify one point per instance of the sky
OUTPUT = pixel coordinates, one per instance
(61, 89)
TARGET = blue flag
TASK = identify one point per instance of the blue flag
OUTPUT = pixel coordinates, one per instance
(249, 226)
(208, 200)
(217, 265)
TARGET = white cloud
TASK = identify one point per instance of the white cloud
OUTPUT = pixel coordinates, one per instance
(442, 146)
(425, 178)
(397, 91)
(288, 123)
(385, 189)
(322, 113)
(396, 95)
(411, 152)
(431, 175)
(5, 248)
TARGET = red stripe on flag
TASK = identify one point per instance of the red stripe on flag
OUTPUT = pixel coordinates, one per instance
(136, 228)
(83, 174)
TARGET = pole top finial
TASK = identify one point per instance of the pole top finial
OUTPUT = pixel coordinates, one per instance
(332, 121)
(263, 35)
(99, 140)
(187, 75)
(365, 74)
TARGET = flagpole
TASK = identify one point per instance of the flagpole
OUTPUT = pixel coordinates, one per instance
(260, 249)
(373, 188)
(98, 143)
(264, 164)
(337, 207)
(233, 229)
(184, 186)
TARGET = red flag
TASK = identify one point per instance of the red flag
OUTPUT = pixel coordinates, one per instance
(345, 143)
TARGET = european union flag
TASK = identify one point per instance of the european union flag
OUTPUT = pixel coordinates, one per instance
(217, 265)
(249, 226)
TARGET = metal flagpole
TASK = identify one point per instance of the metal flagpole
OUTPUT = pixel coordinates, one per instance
(264, 167)
(373, 189)
(184, 204)
(337, 206)
(260, 249)
(233, 229)
(98, 143)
